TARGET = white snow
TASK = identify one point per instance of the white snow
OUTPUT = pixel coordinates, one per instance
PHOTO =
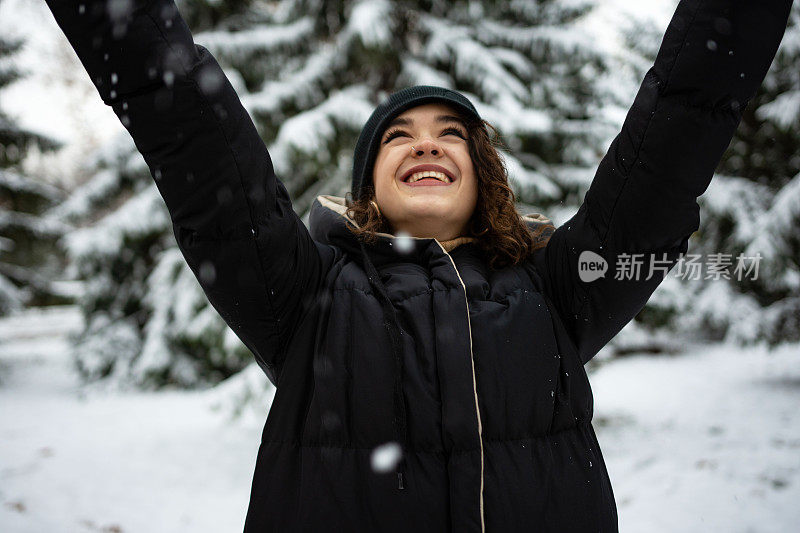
(299, 84)
(74, 459)
(778, 225)
(306, 132)
(143, 213)
(55, 97)
(708, 440)
(264, 37)
(704, 441)
(372, 21)
(784, 110)
(604, 20)
(415, 72)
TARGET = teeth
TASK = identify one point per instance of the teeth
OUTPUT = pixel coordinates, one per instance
(428, 174)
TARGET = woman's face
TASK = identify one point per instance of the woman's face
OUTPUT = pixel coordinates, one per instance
(438, 206)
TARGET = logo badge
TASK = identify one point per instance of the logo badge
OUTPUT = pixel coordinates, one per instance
(591, 266)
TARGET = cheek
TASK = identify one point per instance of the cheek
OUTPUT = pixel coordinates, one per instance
(464, 161)
(383, 171)
(472, 191)
(471, 178)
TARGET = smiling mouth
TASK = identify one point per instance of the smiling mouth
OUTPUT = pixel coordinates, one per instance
(428, 177)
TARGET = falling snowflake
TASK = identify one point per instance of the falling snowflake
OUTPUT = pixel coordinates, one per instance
(210, 79)
(385, 457)
(403, 242)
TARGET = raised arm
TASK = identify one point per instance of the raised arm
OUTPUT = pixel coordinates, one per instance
(232, 218)
(642, 200)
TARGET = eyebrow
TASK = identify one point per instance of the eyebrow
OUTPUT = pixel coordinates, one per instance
(440, 118)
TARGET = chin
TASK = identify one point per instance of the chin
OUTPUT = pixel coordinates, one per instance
(430, 201)
(428, 209)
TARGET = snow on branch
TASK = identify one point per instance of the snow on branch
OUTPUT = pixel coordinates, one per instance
(258, 39)
(372, 22)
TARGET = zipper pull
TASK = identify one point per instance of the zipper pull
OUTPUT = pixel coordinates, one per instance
(400, 480)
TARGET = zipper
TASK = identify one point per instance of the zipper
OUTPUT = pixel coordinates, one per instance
(474, 382)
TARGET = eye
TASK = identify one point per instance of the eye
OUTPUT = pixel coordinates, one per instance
(449, 130)
(394, 133)
(454, 131)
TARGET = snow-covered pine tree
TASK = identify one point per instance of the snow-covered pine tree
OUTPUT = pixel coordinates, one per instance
(310, 72)
(28, 258)
(752, 208)
(762, 215)
(314, 70)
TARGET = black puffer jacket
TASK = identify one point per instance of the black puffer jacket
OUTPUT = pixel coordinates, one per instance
(496, 405)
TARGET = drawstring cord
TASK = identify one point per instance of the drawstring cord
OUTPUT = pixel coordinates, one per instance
(391, 324)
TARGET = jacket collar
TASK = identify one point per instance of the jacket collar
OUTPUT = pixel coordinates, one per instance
(328, 222)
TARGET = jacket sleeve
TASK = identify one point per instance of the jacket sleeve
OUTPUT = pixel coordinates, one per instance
(642, 200)
(232, 218)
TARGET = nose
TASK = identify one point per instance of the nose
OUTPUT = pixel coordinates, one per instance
(428, 146)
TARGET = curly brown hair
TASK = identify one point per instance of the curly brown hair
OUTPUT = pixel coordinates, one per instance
(503, 236)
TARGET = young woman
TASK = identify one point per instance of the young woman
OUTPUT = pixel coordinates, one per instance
(463, 342)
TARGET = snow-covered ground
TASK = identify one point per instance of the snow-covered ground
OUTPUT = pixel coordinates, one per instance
(704, 441)
(75, 459)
